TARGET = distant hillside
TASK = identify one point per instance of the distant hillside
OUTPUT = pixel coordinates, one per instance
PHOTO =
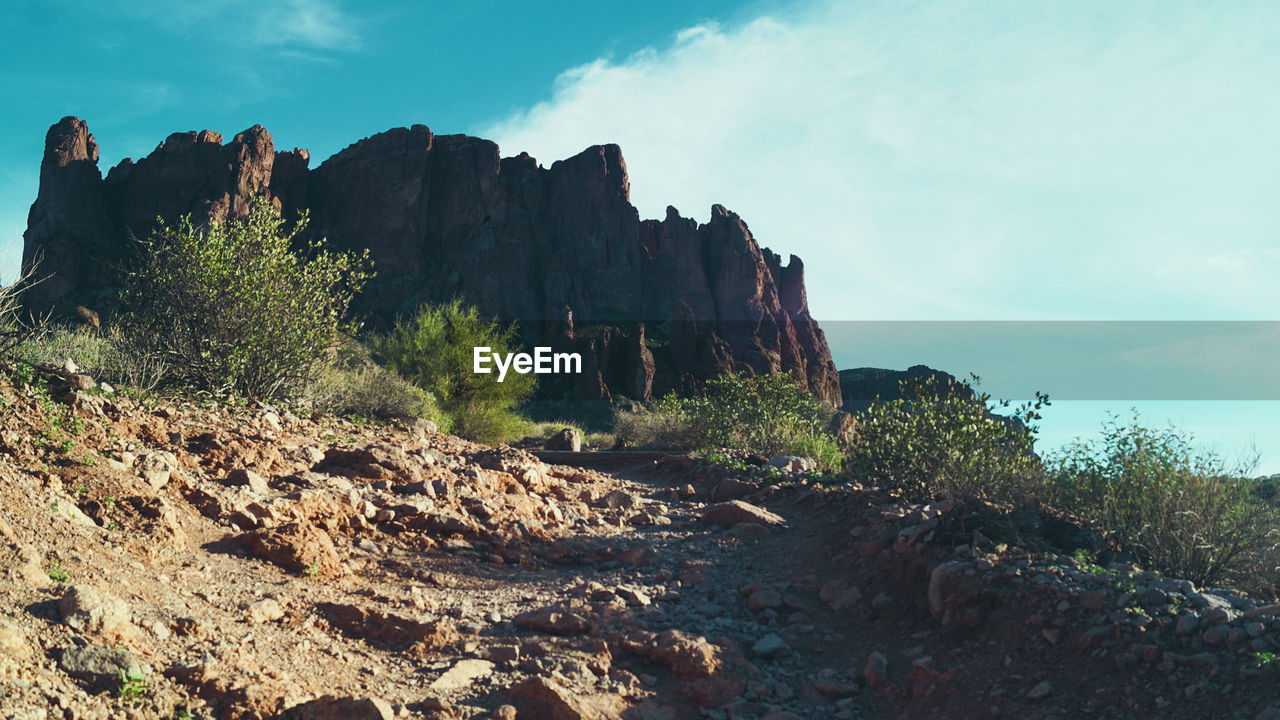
(860, 387)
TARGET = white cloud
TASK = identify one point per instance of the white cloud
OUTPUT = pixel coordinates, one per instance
(953, 160)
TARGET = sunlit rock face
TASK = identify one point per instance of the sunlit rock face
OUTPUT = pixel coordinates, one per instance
(652, 305)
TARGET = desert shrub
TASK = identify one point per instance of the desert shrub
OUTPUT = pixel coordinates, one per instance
(771, 414)
(232, 307)
(940, 440)
(111, 355)
(354, 385)
(13, 329)
(664, 424)
(1183, 512)
(435, 351)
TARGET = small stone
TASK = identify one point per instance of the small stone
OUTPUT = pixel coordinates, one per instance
(156, 468)
(1040, 691)
(12, 641)
(502, 653)
(160, 630)
(688, 656)
(876, 671)
(771, 646)
(255, 482)
(633, 597)
(92, 611)
(1215, 635)
(265, 610)
(764, 599)
(554, 620)
(1187, 624)
(838, 595)
(792, 463)
(335, 708)
(462, 674)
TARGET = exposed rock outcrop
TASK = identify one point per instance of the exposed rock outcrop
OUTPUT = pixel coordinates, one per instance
(657, 304)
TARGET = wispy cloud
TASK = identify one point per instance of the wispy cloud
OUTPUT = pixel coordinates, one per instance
(308, 23)
(292, 25)
(10, 255)
(960, 159)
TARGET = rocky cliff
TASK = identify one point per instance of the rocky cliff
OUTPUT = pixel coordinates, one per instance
(652, 304)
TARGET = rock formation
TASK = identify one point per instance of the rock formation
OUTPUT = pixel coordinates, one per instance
(860, 387)
(652, 305)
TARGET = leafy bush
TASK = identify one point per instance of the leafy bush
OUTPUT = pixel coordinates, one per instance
(355, 385)
(232, 308)
(942, 440)
(111, 355)
(1183, 512)
(770, 414)
(435, 351)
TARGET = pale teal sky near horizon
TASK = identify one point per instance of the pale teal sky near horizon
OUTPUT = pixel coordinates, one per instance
(979, 160)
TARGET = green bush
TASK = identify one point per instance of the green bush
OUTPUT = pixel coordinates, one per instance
(435, 350)
(111, 355)
(770, 414)
(941, 440)
(1182, 512)
(354, 385)
(233, 308)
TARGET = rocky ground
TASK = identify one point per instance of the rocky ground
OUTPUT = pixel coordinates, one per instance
(184, 561)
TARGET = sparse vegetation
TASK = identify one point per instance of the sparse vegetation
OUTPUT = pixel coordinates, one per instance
(233, 308)
(57, 573)
(110, 354)
(770, 414)
(1183, 512)
(545, 430)
(133, 685)
(13, 329)
(354, 385)
(434, 350)
(938, 441)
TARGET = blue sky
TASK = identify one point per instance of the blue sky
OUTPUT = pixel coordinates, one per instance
(985, 160)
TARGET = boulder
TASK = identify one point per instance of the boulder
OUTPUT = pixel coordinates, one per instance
(728, 514)
(156, 468)
(540, 698)
(101, 668)
(95, 612)
(568, 439)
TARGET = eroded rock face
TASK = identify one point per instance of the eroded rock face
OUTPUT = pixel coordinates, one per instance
(657, 304)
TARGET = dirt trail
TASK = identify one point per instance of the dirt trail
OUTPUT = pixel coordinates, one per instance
(256, 564)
